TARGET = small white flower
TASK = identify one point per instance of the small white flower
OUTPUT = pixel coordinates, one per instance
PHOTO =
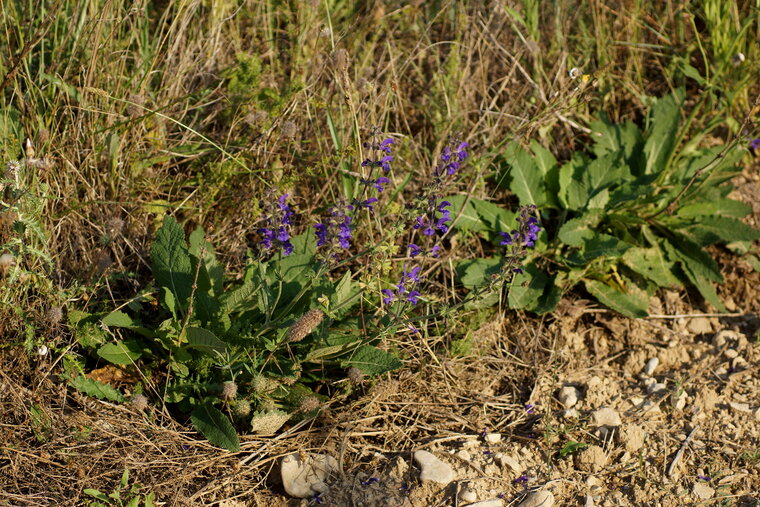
(42, 351)
(737, 59)
(574, 72)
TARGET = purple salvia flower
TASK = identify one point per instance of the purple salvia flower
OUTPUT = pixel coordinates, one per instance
(378, 184)
(335, 230)
(435, 251)
(414, 250)
(277, 218)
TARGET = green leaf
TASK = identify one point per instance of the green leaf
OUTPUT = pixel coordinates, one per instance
(97, 389)
(527, 287)
(372, 360)
(214, 272)
(118, 319)
(652, 265)
(571, 447)
(122, 352)
(719, 207)
(603, 245)
(475, 273)
(576, 231)
(681, 249)
(479, 215)
(204, 340)
(715, 229)
(622, 139)
(216, 427)
(662, 134)
(632, 303)
(171, 262)
(97, 494)
(573, 189)
(526, 178)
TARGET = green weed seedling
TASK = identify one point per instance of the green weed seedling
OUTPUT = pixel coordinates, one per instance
(122, 496)
(632, 214)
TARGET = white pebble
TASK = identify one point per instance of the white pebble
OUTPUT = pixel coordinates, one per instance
(541, 498)
(464, 455)
(740, 407)
(493, 438)
(433, 469)
(468, 495)
(568, 396)
(302, 479)
(730, 353)
(651, 365)
(605, 416)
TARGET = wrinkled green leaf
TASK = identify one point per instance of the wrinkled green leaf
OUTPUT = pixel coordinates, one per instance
(118, 319)
(171, 262)
(652, 265)
(216, 427)
(122, 352)
(475, 273)
(372, 360)
(633, 303)
(479, 215)
(526, 178)
(662, 134)
(97, 389)
(205, 340)
(576, 231)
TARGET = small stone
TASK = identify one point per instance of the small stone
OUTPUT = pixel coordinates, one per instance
(468, 495)
(681, 401)
(702, 490)
(650, 407)
(464, 455)
(493, 438)
(568, 396)
(649, 381)
(656, 388)
(302, 479)
(699, 325)
(540, 498)
(739, 364)
(433, 469)
(651, 365)
(488, 503)
(730, 353)
(605, 416)
(509, 461)
(740, 407)
(756, 413)
(570, 414)
(631, 436)
(591, 459)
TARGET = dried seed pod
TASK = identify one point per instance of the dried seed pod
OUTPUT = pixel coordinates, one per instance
(229, 390)
(54, 315)
(139, 402)
(309, 404)
(355, 375)
(242, 409)
(304, 326)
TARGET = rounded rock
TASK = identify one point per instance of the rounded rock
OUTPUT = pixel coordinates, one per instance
(468, 495)
(433, 469)
(605, 416)
(591, 459)
(651, 365)
(540, 498)
(568, 396)
(302, 479)
(493, 438)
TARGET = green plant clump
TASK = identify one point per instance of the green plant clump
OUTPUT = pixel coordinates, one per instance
(631, 215)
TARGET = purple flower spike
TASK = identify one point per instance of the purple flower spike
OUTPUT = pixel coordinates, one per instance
(754, 144)
(277, 218)
(413, 297)
(389, 297)
(380, 182)
(414, 250)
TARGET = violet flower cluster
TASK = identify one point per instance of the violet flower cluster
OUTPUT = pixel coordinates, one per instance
(524, 237)
(405, 289)
(277, 221)
(335, 230)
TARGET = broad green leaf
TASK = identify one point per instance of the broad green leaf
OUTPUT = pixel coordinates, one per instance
(214, 272)
(97, 389)
(216, 427)
(634, 302)
(344, 296)
(620, 139)
(122, 352)
(169, 301)
(268, 423)
(719, 207)
(652, 265)
(298, 265)
(549, 168)
(242, 298)
(679, 248)
(603, 245)
(716, 229)
(204, 340)
(573, 189)
(479, 215)
(576, 231)
(527, 287)
(527, 182)
(662, 134)
(372, 360)
(171, 262)
(704, 286)
(118, 319)
(331, 351)
(475, 273)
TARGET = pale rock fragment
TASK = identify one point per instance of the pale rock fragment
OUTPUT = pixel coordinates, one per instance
(302, 479)
(433, 469)
(540, 498)
(651, 365)
(702, 491)
(568, 396)
(605, 416)
(493, 438)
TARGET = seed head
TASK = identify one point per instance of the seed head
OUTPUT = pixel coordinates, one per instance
(309, 404)
(139, 402)
(355, 375)
(54, 315)
(229, 390)
(6, 261)
(29, 148)
(242, 408)
(304, 326)
(263, 385)
(289, 129)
